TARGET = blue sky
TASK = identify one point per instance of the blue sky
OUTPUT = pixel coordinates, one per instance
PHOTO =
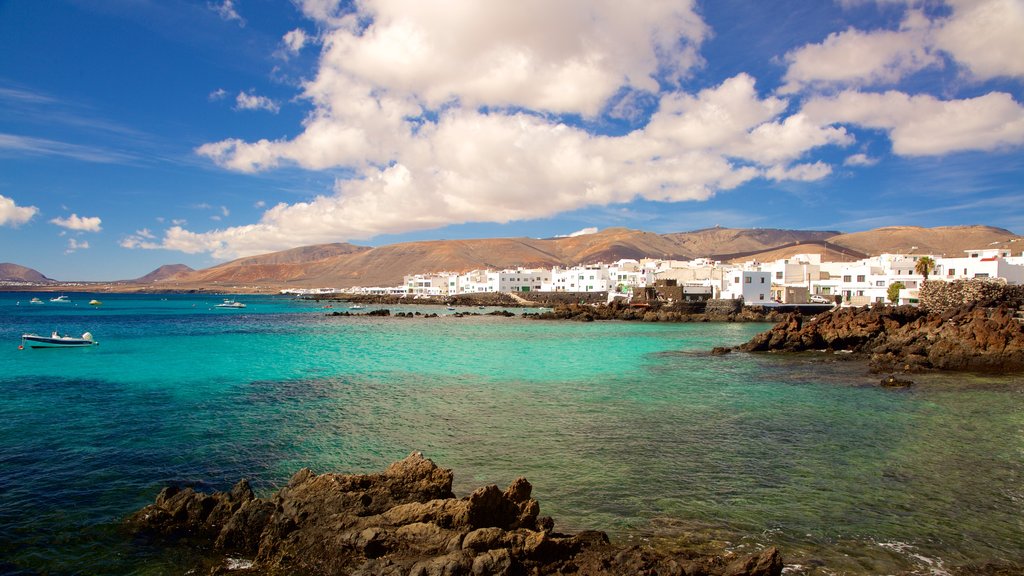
(136, 133)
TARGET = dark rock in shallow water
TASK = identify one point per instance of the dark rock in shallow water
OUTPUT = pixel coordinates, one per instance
(720, 350)
(894, 382)
(404, 521)
(907, 339)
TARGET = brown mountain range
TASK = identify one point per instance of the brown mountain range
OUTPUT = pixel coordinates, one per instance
(343, 265)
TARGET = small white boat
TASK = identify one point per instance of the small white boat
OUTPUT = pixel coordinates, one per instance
(62, 299)
(451, 307)
(95, 303)
(36, 301)
(228, 303)
(356, 307)
(55, 340)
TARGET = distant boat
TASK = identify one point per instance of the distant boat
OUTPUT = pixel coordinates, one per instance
(95, 302)
(356, 307)
(62, 299)
(228, 303)
(36, 301)
(55, 340)
(451, 307)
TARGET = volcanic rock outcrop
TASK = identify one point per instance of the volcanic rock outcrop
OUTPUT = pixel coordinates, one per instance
(908, 339)
(404, 521)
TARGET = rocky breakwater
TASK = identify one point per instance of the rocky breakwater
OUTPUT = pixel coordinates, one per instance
(907, 339)
(404, 521)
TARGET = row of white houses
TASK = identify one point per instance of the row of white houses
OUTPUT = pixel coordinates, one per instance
(796, 280)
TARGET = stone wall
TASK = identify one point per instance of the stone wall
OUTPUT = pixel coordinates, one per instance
(724, 306)
(941, 296)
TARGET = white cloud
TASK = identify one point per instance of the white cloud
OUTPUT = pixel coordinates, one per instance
(985, 36)
(860, 159)
(583, 232)
(924, 125)
(259, 204)
(74, 245)
(249, 101)
(295, 40)
(858, 58)
(13, 215)
(981, 36)
(799, 172)
(76, 222)
(218, 94)
(226, 10)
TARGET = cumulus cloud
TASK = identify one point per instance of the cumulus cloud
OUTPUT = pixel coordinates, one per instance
(295, 40)
(13, 215)
(250, 101)
(924, 125)
(980, 36)
(79, 223)
(218, 94)
(985, 37)
(858, 58)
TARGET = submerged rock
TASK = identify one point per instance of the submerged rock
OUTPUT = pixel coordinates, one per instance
(403, 521)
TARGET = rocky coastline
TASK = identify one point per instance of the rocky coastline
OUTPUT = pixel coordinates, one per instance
(403, 521)
(907, 339)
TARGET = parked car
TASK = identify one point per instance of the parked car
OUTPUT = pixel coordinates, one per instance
(816, 299)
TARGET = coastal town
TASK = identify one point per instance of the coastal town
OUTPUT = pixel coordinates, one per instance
(799, 279)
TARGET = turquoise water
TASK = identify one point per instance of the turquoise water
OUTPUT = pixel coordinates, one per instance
(626, 427)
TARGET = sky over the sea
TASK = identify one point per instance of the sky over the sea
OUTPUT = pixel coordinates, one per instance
(135, 133)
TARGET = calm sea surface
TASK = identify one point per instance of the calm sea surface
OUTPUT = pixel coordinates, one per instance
(625, 427)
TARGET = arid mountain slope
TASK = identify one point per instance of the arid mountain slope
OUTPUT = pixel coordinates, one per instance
(164, 273)
(717, 241)
(950, 241)
(15, 273)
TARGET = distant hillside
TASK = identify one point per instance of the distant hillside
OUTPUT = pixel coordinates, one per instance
(15, 273)
(343, 265)
(942, 240)
(164, 273)
(720, 242)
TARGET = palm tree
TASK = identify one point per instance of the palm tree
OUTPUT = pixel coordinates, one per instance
(924, 266)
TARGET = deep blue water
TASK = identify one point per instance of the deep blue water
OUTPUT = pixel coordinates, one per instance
(626, 427)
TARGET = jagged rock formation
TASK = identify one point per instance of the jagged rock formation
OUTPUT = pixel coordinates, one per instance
(405, 521)
(908, 339)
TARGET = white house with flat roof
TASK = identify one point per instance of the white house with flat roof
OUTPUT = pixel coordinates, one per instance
(754, 287)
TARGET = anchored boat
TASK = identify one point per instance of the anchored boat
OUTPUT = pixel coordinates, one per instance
(228, 303)
(55, 340)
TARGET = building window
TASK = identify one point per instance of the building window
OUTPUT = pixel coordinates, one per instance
(736, 280)
(860, 277)
(762, 279)
(879, 282)
(748, 279)
(981, 275)
(951, 272)
(760, 296)
(778, 275)
(847, 278)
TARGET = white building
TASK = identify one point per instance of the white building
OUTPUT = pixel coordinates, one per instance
(591, 278)
(754, 287)
(985, 263)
